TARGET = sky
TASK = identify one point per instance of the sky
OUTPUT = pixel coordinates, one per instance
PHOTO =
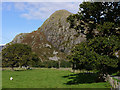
(25, 17)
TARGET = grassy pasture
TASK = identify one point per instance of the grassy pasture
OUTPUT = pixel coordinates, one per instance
(49, 78)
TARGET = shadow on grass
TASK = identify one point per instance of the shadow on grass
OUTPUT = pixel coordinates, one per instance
(23, 70)
(20, 70)
(81, 78)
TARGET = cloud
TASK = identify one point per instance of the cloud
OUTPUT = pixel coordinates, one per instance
(42, 10)
(20, 6)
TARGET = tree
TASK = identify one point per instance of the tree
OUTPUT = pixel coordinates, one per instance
(18, 55)
(92, 14)
(100, 23)
(96, 52)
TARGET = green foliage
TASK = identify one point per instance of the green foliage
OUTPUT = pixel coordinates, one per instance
(100, 22)
(65, 64)
(97, 53)
(108, 29)
(105, 45)
(100, 12)
(92, 14)
(119, 54)
(54, 64)
(48, 64)
(18, 55)
(34, 59)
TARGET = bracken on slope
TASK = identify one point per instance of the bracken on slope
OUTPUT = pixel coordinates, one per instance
(53, 36)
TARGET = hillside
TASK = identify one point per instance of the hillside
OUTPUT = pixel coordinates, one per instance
(57, 31)
(53, 40)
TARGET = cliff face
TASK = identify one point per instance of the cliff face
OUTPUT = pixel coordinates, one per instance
(39, 44)
(56, 30)
(53, 36)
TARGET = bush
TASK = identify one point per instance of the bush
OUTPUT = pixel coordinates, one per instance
(54, 64)
(65, 64)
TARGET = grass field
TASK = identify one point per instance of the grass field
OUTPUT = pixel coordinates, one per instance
(49, 78)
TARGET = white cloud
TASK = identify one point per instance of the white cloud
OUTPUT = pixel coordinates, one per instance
(20, 6)
(43, 10)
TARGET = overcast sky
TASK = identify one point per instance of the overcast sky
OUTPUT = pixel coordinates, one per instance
(24, 17)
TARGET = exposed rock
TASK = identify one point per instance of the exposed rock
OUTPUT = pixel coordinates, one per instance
(47, 45)
(56, 30)
(55, 34)
(55, 58)
(55, 52)
(19, 38)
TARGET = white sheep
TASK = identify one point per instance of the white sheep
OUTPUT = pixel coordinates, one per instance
(11, 78)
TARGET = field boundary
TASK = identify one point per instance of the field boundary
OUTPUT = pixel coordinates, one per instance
(114, 83)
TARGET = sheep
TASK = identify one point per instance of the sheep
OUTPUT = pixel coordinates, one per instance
(11, 78)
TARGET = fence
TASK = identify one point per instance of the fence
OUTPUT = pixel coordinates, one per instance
(113, 83)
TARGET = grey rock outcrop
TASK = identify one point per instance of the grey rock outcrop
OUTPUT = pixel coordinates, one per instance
(53, 35)
(57, 31)
(18, 38)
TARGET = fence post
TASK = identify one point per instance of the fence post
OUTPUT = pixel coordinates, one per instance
(118, 85)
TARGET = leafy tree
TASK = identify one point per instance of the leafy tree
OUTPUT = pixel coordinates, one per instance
(18, 55)
(100, 23)
(92, 14)
(96, 50)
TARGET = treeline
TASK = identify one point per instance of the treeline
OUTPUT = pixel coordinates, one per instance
(53, 64)
(18, 55)
(45, 64)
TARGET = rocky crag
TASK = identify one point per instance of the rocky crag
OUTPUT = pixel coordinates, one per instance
(54, 39)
